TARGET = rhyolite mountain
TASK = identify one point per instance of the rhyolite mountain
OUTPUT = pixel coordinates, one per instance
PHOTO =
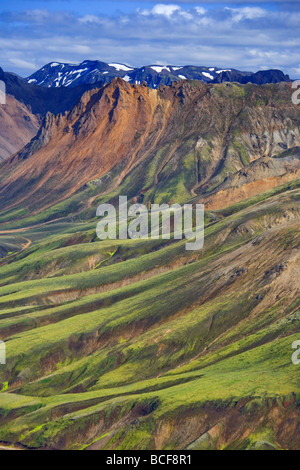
(56, 87)
(181, 141)
(141, 344)
(57, 74)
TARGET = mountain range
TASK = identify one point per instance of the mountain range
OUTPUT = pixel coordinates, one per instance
(55, 88)
(186, 133)
(141, 344)
(93, 71)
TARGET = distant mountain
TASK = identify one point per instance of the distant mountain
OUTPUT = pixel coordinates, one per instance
(40, 100)
(56, 74)
(26, 106)
(18, 123)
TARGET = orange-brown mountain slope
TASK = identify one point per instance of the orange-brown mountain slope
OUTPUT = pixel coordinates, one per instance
(178, 142)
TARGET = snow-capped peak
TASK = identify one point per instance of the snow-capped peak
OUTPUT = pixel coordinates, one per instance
(225, 70)
(58, 74)
(121, 67)
(160, 68)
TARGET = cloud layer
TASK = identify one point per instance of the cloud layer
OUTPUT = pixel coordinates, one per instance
(254, 37)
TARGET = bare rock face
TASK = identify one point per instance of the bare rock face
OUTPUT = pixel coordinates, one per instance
(107, 127)
(188, 140)
(261, 175)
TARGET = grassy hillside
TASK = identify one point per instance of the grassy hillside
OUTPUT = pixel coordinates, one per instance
(141, 344)
(144, 345)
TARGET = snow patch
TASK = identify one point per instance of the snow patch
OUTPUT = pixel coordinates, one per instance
(182, 77)
(78, 71)
(220, 71)
(122, 67)
(159, 69)
(207, 75)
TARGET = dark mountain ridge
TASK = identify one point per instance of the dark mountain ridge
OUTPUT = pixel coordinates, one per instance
(41, 100)
(26, 106)
(55, 74)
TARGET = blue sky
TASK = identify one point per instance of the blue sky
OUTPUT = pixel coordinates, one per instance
(251, 35)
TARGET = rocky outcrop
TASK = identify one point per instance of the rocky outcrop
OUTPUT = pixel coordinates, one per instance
(261, 175)
(167, 145)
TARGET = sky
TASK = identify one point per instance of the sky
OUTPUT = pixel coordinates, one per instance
(253, 35)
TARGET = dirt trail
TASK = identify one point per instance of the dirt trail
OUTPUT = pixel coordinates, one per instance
(24, 247)
(24, 229)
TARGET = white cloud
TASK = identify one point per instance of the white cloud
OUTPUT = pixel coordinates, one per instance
(69, 46)
(23, 64)
(89, 19)
(244, 38)
(246, 13)
(296, 71)
(167, 11)
(200, 10)
(170, 11)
